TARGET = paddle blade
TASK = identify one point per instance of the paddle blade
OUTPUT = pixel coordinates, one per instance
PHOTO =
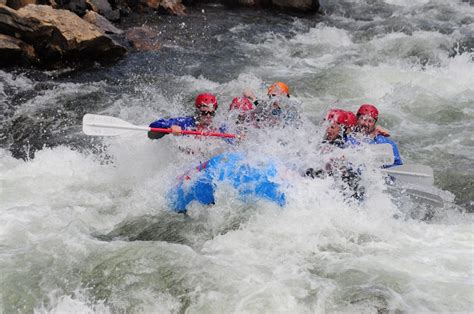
(383, 153)
(419, 195)
(416, 174)
(99, 125)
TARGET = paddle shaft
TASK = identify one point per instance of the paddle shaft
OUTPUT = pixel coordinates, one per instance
(160, 130)
(226, 135)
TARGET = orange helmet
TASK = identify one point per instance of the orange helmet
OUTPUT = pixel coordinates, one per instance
(279, 88)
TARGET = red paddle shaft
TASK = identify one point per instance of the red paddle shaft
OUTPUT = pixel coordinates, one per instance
(226, 135)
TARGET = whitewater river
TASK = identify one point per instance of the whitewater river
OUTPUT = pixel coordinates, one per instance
(85, 223)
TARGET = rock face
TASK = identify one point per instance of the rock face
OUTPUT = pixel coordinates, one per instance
(301, 5)
(101, 23)
(291, 5)
(174, 7)
(143, 38)
(16, 4)
(13, 50)
(58, 36)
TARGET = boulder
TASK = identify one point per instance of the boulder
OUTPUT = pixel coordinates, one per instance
(103, 8)
(14, 25)
(291, 5)
(143, 38)
(99, 6)
(300, 5)
(77, 6)
(58, 35)
(174, 7)
(14, 51)
(101, 23)
(16, 4)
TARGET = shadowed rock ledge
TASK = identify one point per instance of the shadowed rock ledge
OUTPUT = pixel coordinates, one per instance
(75, 32)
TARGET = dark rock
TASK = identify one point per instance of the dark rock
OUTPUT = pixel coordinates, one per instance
(286, 5)
(101, 23)
(14, 51)
(300, 5)
(58, 36)
(77, 6)
(12, 24)
(174, 7)
(100, 6)
(113, 15)
(143, 38)
(16, 4)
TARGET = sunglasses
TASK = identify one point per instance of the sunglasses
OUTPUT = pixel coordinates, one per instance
(208, 113)
(203, 105)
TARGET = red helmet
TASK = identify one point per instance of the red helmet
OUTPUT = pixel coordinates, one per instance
(351, 119)
(368, 110)
(206, 99)
(241, 103)
(338, 116)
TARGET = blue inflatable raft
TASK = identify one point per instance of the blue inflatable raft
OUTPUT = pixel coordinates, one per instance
(250, 181)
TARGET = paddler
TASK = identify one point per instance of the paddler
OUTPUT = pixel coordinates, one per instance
(206, 106)
(279, 110)
(367, 117)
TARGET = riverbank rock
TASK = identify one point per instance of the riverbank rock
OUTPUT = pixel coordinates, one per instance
(289, 5)
(13, 50)
(16, 4)
(101, 23)
(143, 38)
(300, 5)
(173, 7)
(104, 8)
(58, 36)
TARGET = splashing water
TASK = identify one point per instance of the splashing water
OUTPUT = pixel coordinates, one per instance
(86, 223)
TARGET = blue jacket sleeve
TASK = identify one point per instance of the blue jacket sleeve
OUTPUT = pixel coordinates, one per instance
(379, 139)
(349, 141)
(184, 122)
(223, 129)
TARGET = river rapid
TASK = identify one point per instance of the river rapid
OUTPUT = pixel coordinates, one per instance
(86, 227)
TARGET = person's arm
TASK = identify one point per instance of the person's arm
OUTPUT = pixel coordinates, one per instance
(381, 131)
(396, 154)
(175, 124)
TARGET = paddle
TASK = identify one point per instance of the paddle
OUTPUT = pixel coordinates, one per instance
(417, 174)
(423, 196)
(383, 153)
(99, 125)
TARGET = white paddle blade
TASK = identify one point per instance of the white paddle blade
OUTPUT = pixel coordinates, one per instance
(383, 153)
(419, 195)
(99, 125)
(416, 174)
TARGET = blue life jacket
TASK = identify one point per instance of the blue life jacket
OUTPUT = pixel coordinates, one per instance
(184, 122)
(248, 180)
